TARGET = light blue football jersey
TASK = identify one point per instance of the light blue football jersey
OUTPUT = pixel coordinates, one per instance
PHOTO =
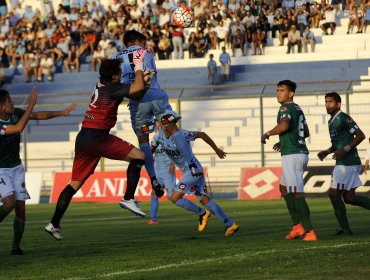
(128, 73)
(169, 147)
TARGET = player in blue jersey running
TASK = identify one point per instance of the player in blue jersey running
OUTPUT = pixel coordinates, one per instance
(13, 192)
(154, 104)
(190, 184)
(165, 170)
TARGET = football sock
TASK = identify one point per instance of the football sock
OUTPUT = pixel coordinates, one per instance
(188, 205)
(183, 146)
(154, 207)
(64, 199)
(303, 213)
(340, 212)
(220, 214)
(290, 204)
(133, 176)
(3, 213)
(18, 228)
(362, 201)
(149, 162)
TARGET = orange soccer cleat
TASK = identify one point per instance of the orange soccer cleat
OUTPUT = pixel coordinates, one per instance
(296, 232)
(310, 236)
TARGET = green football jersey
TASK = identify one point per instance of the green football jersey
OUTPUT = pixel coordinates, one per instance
(292, 141)
(341, 130)
(10, 144)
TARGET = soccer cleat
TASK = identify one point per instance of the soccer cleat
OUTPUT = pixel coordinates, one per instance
(344, 232)
(310, 236)
(203, 220)
(16, 252)
(133, 206)
(157, 188)
(54, 232)
(231, 229)
(152, 222)
(296, 232)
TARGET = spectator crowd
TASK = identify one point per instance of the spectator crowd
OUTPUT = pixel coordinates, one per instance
(44, 39)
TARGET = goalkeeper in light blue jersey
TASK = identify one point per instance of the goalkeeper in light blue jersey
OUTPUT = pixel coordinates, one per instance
(190, 184)
(154, 104)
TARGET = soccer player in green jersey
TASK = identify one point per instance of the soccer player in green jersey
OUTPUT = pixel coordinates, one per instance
(292, 130)
(13, 192)
(345, 136)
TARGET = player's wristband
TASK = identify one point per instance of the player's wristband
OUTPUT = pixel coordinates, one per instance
(347, 148)
(139, 67)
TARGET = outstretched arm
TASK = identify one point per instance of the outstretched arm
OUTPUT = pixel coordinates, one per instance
(204, 136)
(46, 115)
(21, 124)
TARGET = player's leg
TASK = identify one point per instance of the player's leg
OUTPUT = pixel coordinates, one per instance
(8, 205)
(212, 206)
(18, 227)
(337, 186)
(154, 205)
(350, 196)
(297, 229)
(7, 192)
(142, 122)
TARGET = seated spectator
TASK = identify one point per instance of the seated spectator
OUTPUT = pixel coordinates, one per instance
(277, 22)
(164, 48)
(202, 44)
(366, 19)
(31, 67)
(19, 56)
(46, 66)
(237, 42)
(249, 21)
(62, 49)
(259, 41)
(110, 50)
(2, 75)
(283, 31)
(302, 18)
(355, 17)
(315, 15)
(97, 58)
(222, 33)
(330, 17)
(4, 59)
(73, 60)
(294, 38)
(191, 44)
(248, 41)
(308, 38)
(262, 23)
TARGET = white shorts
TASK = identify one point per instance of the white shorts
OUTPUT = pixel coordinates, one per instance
(225, 69)
(12, 181)
(293, 167)
(346, 177)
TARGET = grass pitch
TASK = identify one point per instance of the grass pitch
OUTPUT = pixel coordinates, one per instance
(102, 241)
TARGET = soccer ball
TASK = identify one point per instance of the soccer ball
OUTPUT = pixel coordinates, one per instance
(182, 17)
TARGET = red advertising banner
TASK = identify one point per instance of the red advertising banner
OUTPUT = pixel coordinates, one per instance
(108, 186)
(259, 183)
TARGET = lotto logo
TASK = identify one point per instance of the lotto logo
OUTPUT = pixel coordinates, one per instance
(193, 188)
(259, 183)
(182, 186)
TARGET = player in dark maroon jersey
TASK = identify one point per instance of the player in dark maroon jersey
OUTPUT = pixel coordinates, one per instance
(94, 141)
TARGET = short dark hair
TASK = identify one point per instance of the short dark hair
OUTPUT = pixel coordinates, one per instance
(108, 68)
(133, 35)
(4, 95)
(292, 86)
(335, 96)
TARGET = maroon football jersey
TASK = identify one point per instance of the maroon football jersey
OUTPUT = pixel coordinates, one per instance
(103, 106)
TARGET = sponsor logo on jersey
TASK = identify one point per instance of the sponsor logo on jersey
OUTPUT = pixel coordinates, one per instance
(193, 188)
(349, 120)
(182, 187)
(89, 117)
(191, 133)
(298, 108)
(332, 134)
(283, 109)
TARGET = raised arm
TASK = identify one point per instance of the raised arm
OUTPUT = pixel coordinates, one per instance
(204, 136)
(21, 124)
(46, 115)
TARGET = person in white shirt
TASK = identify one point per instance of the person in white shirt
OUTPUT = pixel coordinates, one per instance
(46, 65)
(330, 16)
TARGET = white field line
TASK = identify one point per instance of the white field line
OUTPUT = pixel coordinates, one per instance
(211, 260)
